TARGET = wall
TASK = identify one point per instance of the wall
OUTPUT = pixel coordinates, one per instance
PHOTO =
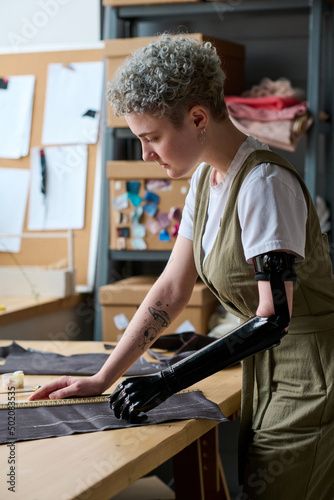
(26, 24)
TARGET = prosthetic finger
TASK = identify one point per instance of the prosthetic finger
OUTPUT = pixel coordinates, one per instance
(116, 393)
(118, 404)
(138, 394)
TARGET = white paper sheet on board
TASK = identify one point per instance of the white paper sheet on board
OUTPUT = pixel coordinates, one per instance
(63, 206)
(73, 103)
(16, 105)
(14, 186)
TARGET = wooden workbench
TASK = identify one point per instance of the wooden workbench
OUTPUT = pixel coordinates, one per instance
(98, 465)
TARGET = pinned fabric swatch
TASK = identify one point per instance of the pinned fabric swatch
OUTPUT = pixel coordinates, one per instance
(151, 209)
(175, 229)
(121, 202)
(153, 226)
(136, 215)
(164, 235)
(135, 199)
(138, 244)
(158, 185)
(138, 230)
(152, 197)
(133, 187)
(163, 220)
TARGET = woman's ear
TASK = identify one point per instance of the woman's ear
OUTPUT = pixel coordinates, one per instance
(199, 116)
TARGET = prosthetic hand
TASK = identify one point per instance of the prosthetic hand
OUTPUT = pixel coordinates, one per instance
(141, 394)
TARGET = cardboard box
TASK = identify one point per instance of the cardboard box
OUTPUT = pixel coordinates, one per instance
(172, 195)
(231, 54)
(29, 281)
(125, 296)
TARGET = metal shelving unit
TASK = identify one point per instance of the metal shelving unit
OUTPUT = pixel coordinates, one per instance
(122, 22)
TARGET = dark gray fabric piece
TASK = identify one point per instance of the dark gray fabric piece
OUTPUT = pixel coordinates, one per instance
(52, 421)
(34, 362)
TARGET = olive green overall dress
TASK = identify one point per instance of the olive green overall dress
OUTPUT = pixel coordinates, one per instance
(286, 448)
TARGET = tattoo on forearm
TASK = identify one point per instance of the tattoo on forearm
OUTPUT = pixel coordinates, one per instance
(160, 320)
(160, 317)
(149, 335)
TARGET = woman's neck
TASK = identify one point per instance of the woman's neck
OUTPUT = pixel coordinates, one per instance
(222, 143)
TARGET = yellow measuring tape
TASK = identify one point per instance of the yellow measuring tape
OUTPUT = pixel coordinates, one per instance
(12, 405)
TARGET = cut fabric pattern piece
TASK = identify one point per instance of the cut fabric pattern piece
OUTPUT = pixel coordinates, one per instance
(33, 362)
(54, 421)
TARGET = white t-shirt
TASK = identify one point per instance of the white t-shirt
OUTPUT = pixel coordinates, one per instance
(271, 207)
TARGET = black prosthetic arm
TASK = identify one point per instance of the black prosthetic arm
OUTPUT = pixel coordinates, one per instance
(140, 394)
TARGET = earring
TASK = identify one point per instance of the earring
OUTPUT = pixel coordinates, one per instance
(202, 136)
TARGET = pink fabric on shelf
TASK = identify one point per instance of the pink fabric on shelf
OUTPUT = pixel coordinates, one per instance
(267, 102)
(276, 134)
(240, 111)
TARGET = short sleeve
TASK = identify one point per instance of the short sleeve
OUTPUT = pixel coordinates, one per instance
(272, 212)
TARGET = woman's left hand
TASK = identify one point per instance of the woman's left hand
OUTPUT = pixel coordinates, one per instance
(67, 386)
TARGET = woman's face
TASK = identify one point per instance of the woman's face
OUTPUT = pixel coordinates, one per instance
(176, 150)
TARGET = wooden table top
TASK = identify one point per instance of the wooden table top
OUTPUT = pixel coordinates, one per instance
(100, 464)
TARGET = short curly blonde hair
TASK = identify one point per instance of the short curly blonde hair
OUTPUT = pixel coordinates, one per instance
(167, 78)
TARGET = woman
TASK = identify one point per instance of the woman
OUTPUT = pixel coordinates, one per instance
(171, 94)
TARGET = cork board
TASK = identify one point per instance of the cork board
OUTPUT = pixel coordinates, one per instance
(45, 251)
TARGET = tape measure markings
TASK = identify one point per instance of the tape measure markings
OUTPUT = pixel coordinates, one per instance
(13, 405)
